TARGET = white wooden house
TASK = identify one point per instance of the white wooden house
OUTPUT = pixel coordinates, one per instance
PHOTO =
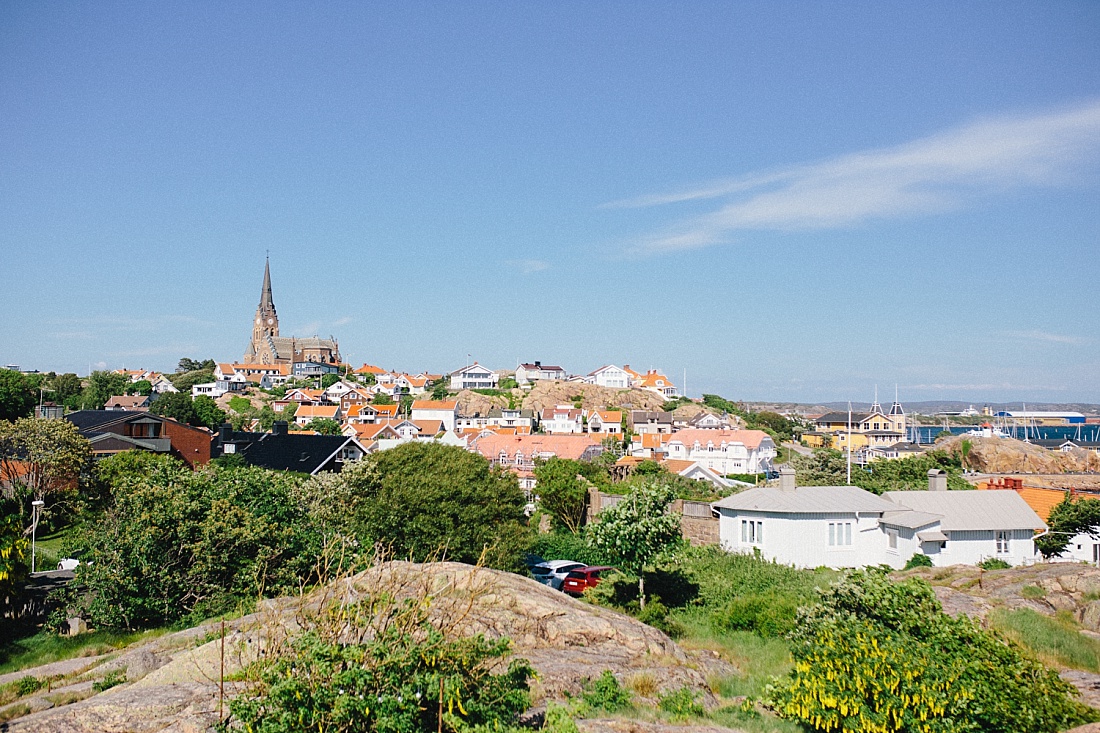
(845, 526)
(474, 376)
(725, 451)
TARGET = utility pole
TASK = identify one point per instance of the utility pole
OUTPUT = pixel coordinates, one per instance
(849, 442)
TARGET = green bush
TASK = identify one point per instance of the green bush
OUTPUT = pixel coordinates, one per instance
(402, 676)
(877, 655)
(179, 543)
(565, 545)
(768, 615)
(656, 614)
(606, 694)
(681, 704)
(994, 563)
(27, 685)
(919, 560)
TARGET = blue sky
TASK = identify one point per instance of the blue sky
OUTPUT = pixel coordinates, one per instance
(790, 201)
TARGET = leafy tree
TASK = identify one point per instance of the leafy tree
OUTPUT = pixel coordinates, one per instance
(421, 497)
(877, 655)
(17, 397)
(102, 386)
(178, 543)
(184, 382)
(328, 380)
(828, 467)
(267, 417)
(637, 529)
(381, 398)
(42, 459)
(440, 390)
(207, 412)
(562, 492)
(141, 387)
(65, 387)
(191, 365)
(507, 383)
(177, 405)
(406, 404)
(324, 426)
(1070, 517)
(367, 379)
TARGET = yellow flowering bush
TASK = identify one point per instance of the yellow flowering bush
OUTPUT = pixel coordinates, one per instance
(881, 656)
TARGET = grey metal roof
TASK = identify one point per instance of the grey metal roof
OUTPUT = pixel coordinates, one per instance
(933, 535)
(971, 510)
(908, 518)
(807, 500)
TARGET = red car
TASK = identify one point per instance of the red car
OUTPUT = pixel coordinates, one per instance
(577, 580)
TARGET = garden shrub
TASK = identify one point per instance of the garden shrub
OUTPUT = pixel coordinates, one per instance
(27, 685)
(656, 614)
(994, 563)
(919, 560)
(876, 655)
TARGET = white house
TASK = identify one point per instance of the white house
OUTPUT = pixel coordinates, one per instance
(610, 376)
(474, 376)
(725, 451)
(608, 422)
(527, 373)
(563, 419)
(446, 411)
(845, 526)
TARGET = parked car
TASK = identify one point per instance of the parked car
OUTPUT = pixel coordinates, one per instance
(576, 581)
(68, 563)
(553, 572)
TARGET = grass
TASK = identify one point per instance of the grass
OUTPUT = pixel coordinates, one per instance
(758, 659)
(15, 711)
(45, 647)
(1055, 641)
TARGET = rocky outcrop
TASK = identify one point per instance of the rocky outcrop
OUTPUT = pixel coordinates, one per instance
(172, 682)
(1007, 455)
(551, 393)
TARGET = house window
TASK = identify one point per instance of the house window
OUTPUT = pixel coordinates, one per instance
(1002, 543)
(892, 538)
(752, 532)
(840, 534)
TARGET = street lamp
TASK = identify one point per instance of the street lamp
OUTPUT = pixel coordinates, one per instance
(36, 509)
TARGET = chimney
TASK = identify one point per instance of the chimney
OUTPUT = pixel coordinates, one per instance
(225, 433)
(538, 365)
(279, 428)
(786, 479)
(937, 480)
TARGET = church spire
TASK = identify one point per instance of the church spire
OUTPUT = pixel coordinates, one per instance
(265, 295)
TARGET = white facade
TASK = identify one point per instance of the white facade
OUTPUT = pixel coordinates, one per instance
(803, 540)
(607, 422)
(611, 376)
(445, 412)
(562, 419)
(527, 373)
(474, 376)
(845, 526)
(724, 451)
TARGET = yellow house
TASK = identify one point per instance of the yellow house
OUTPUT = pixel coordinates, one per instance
(873, 429)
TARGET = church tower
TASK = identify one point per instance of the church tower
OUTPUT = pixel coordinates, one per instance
(266, 323)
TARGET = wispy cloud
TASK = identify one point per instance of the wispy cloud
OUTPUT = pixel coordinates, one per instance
(1053, 338)
(529, 266)
(929, 175)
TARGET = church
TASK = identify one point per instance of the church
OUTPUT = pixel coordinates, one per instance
(268, 347)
